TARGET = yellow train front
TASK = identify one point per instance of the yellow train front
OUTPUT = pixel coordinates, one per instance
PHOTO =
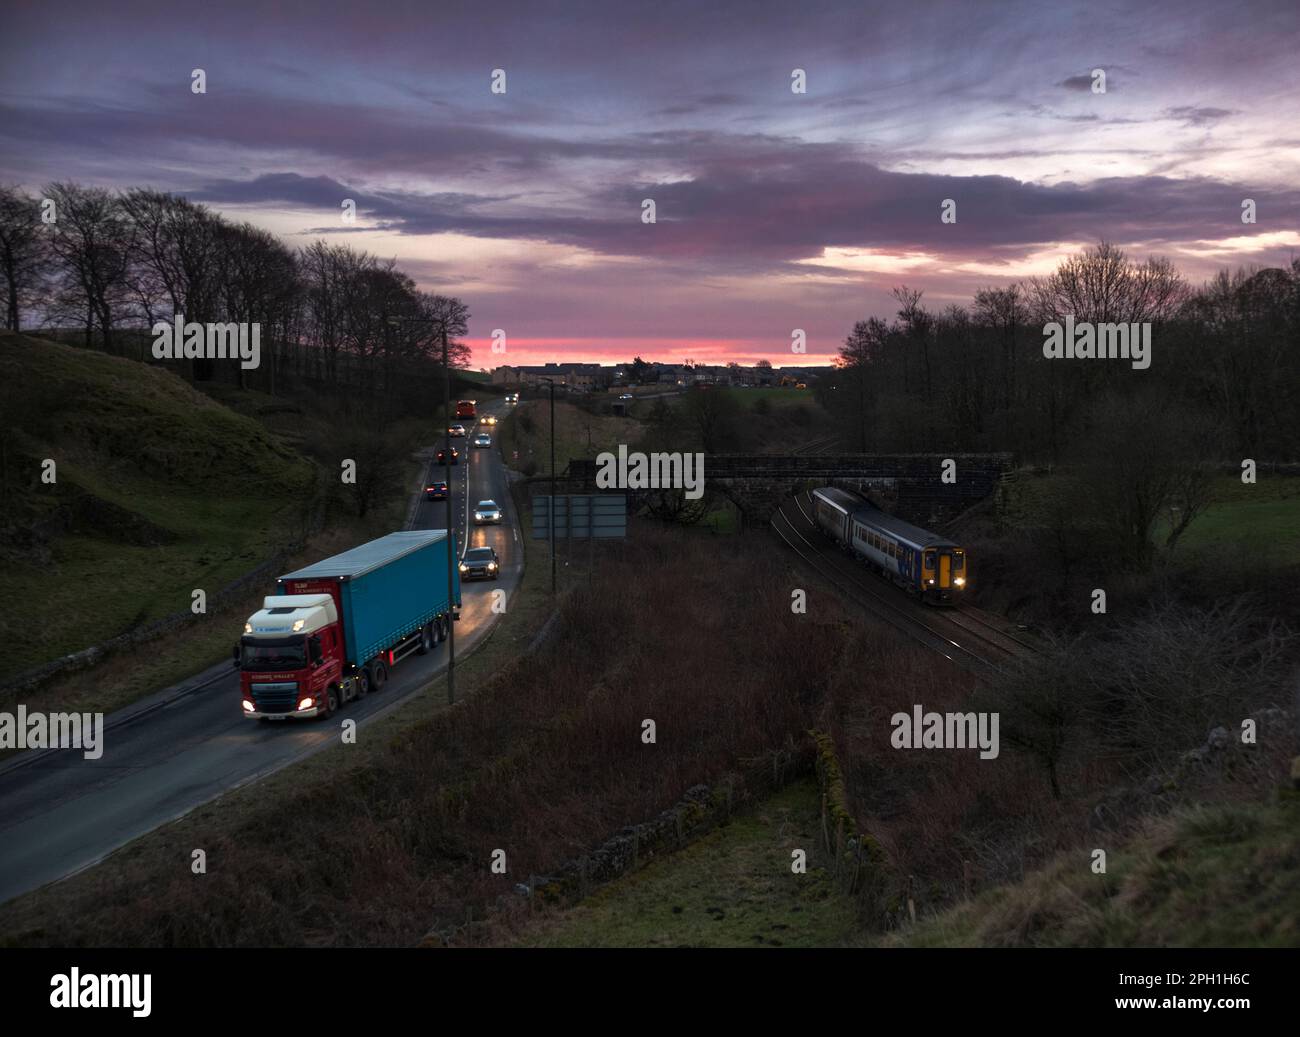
(925, 563)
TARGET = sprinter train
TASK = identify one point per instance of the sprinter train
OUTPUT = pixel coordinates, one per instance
(923, 562)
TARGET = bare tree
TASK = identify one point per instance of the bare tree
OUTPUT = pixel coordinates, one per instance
(23, 252)
(92, 242)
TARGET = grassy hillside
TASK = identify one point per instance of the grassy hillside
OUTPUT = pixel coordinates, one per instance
(1226, 875)
(527, 429)
(732, 888)
(159, 490)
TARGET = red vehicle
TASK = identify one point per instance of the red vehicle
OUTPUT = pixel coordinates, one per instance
(465, 408)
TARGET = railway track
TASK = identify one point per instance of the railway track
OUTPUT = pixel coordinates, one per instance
(960, 635)
(874, 602)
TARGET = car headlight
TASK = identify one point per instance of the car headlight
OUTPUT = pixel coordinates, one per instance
(463, 566)
(492, 565)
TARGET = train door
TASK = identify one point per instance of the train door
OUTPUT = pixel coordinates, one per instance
(945, 571)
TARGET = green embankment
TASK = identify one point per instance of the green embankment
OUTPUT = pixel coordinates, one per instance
(1224, 875)
(158, 491)
(732, 888)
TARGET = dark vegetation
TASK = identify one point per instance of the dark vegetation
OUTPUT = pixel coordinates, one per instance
(112, 264)
(545, 762)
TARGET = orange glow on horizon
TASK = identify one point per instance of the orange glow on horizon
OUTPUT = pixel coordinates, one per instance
(527, 352)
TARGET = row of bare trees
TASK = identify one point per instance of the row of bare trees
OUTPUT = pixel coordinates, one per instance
(976, 376)
(111, 264)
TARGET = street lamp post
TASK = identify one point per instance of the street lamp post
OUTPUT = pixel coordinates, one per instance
(551, 517)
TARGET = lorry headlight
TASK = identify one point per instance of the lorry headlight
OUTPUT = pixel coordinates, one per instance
(298, 624)
(248, 706)
(248, 628)
(306, 703)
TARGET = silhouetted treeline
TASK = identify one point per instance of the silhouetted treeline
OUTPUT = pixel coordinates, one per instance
(1225, 366)
(111, 264)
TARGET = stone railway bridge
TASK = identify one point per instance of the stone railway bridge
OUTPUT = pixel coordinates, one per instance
(908, 485)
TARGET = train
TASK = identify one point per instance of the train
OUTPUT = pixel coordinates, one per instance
(926, 564)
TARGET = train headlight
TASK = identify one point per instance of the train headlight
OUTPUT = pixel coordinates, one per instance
(960, 581)
(932, 581)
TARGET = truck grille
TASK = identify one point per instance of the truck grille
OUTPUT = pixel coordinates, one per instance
(275, 698)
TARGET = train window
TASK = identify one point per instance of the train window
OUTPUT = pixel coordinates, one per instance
(958, 559)
(929, 559)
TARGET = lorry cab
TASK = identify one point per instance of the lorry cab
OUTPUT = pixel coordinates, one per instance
(291, 657)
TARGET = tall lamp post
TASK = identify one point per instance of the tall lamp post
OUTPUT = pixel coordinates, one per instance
(446, 463)
(551, 518)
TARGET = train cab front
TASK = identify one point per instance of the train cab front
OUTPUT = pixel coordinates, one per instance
(943, 575)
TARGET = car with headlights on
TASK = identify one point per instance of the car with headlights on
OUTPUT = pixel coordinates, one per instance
(480, 563)
(487, 512)
(482, 440)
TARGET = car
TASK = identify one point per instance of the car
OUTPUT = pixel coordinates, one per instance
(489, 420)
(512, 397)
(480, 563)
(627, 396)
(487, 511)
(442, 456)
(482, 440)
(456, 430)
(435, 491)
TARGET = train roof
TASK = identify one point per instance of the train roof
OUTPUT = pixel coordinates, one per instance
(900, 530)
(840, 500)
(851, 504)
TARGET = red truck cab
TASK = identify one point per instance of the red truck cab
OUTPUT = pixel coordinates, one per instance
(291, 658)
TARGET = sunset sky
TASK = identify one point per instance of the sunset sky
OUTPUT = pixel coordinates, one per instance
(775, 210)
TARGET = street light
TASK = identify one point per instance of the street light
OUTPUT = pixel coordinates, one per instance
(551, 520)
(446, 462)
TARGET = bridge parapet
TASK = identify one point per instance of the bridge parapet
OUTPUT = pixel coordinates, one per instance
(909, 485)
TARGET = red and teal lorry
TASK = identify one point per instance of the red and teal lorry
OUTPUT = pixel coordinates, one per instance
(333, 631)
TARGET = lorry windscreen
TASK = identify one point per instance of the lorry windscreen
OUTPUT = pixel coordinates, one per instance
(288, 653)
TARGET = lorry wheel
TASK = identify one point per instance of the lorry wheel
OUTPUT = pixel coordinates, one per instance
(427, 639)
(378, 676)
(440, 629)
(331, 700)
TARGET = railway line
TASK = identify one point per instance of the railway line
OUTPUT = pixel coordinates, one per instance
(961, 635)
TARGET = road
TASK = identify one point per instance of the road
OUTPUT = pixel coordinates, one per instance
(60, 813)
